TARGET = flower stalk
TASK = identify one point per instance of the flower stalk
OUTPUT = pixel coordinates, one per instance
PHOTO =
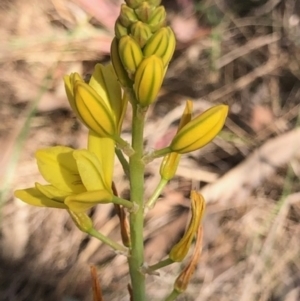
(78, 180)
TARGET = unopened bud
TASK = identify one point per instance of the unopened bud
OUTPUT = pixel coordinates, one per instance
(127, 16)
(81, 220)
(148, 80)
(93, 110)
(134, 3)
(200, 131)
(162, 44)
(120, 71)
(120, 30)
(144, 11)
(141, 32)
(157, 19)
(130, 53)
(169, 166)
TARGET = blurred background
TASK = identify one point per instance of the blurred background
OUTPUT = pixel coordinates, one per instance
(242, 53)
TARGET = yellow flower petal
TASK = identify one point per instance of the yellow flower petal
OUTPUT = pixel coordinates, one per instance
(52, 192)
(90, 170)
(84, 201)
(105, 83)
(104, 149)
(58, 167)
(34, 197)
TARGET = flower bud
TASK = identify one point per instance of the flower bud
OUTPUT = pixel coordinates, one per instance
(154, 2)
(93, 110)
(200, 131)
(162, 44)
(179, 251)
(130, 53)
(127, 16)
(144, 11)
(141, 32)
(148, 80)
(120, 71)
(134, 3)
(120, 30)
(81, 220)
(169, 166)
(170, 162)
(157, 19)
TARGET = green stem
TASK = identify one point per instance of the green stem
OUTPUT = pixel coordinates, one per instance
(160, 265)
(174, 294)
(124, 146)
(151, 202)
(123, 161)
(136, 165)
(119, 201)
(116, 246)
(156, 154)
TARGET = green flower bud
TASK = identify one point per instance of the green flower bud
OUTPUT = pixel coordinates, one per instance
(134, 3)
(162, 44)
(169, 166)
(148, 80)
(179, 251)
(127, 15)
(81, 220)
(200, 130)
(154, 2)
(144, 11)
(120, 30)
(130, 54)
(120, 71)
(141, 33)
(157, 19)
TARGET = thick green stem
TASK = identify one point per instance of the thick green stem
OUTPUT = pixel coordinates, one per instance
(136, 166)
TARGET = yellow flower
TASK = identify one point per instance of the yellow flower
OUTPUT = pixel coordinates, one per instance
(100, 104)
(78, 179)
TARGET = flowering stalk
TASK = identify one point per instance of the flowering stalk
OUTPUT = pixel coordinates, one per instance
(78, 180)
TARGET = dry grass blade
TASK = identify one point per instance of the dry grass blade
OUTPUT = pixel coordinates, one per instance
(97, 291)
